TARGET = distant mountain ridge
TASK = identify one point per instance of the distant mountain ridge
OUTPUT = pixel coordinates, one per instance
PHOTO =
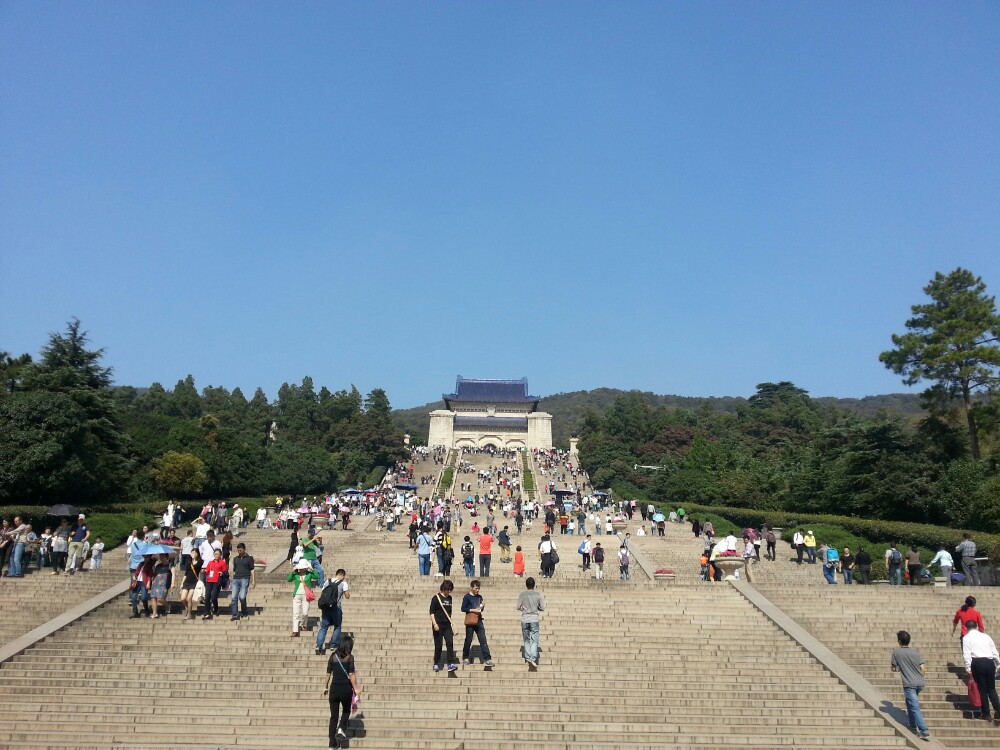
(568, 409)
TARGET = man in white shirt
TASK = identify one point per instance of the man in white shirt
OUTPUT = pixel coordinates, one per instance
(207, 548)
(981, 662)
(730, 542)
(799, 541)
(946, 561)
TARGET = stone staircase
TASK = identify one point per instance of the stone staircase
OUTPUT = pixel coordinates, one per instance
(31, 601)
(859, 623)
(633, 664)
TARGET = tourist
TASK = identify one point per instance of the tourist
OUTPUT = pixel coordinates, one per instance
(473, 606)
(598, 527)
(442, 626)
(18, 539)
(518, 562)
(261, 517)
(599, 561)
(331, 607)
(137, 585)
(966, 613)
(213, 571)
(799, 545)
(187, 544)
(485, 556)
(893, 563)
(529, 604)
(585, 552)
(312, 550)
(468, 557)
(847, 566)
(141, 581)
(913, 565)
(981, 663)
(424, 546)
(545, 548)
(78, 535)
(192, 572)
(623, 562)
(341, 685)
(966, 551)
(810, 542)
(910, 665)
(863, 562)
(303, 578)
(830, 561)
(944, 559)
(772, 543)
(439, 538)
(243, 578)
(504, 540)
(696, 528)
(162, 580)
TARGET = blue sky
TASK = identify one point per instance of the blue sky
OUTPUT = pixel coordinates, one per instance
(686, 198)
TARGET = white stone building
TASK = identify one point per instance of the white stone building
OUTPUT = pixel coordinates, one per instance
(490, 412)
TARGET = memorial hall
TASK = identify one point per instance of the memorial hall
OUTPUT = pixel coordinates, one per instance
(481, 413)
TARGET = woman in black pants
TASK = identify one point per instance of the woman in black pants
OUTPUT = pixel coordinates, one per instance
(441, 624)
(341, 684)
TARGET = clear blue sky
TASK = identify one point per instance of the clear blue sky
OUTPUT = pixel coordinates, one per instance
(686, 198)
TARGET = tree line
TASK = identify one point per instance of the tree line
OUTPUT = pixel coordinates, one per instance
(67, 433)
(782, 450)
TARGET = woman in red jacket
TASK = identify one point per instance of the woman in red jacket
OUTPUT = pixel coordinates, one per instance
(967, 612)
(213, 583)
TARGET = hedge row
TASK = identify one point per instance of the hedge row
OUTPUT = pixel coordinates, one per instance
(885, 532)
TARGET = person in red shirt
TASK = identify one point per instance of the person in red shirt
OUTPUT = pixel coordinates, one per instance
(485, 556)
(213, 583)
(966, 612)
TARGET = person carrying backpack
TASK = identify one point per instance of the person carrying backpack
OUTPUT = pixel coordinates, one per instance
(830, 565)
(893, 561)
(332, 611)
(469, 557)
(623, 562)
(599, 561)
(771, 540)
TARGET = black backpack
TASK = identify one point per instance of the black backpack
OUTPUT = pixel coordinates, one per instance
(599, 554)
(468, 553)
(330, 596)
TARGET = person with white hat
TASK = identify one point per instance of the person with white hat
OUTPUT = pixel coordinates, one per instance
(303, 579)
(79, 534)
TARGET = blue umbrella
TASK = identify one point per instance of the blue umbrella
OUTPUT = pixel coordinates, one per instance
(156, 549)
(350, 491)
(564, 492)
(601, 493)
(406, 486)
(659, 517)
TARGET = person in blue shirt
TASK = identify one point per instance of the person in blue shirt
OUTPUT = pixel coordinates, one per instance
(425, 545)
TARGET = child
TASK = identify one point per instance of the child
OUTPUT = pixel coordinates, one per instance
(623, 561)
(704, 567)
(97, 554)
(475, 527)
(518, 562)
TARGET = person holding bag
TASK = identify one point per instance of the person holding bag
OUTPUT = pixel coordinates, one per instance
(192, 573)
(303, 578)
(342, 687)
(473, 606)
(441, 625)
(213, 583)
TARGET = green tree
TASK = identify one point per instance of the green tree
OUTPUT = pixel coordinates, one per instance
(179, 473)
(11, 369)
(61, 434)
(952, 342)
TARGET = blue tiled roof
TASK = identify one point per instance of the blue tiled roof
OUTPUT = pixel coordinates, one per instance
(487, 423)
(491, 391)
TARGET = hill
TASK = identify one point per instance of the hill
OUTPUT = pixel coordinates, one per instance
(568, 409)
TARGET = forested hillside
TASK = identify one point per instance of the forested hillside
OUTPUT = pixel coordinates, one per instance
(68, 434)
(568, 409)
(782, 450)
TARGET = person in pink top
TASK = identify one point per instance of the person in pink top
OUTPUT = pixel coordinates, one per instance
(485, 547)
